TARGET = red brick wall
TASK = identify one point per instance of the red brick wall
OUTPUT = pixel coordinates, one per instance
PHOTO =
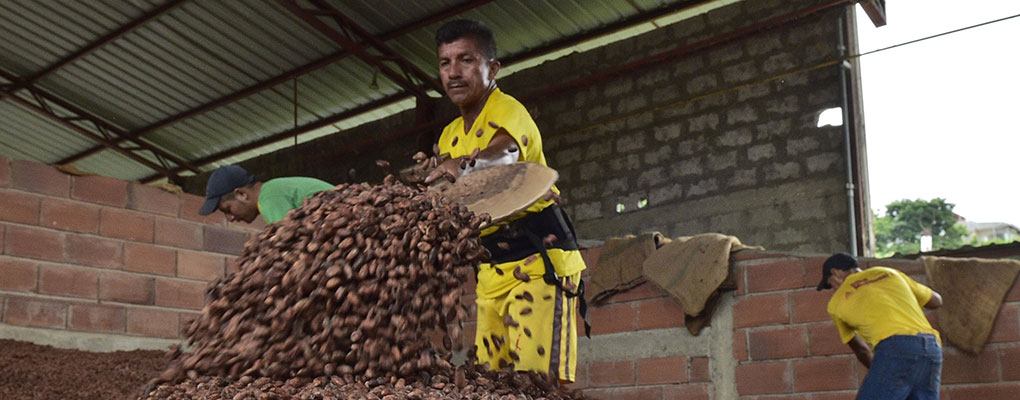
(792, 344)
(643, 308)
(784, 343)
(96, 254)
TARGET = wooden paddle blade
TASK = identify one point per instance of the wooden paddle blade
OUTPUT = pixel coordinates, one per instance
(501, 191)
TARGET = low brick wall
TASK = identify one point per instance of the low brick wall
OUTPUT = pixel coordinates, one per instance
(92, 257)
(93, 254)
(783, 344)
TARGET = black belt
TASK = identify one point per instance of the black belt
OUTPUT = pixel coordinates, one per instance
(526, 236)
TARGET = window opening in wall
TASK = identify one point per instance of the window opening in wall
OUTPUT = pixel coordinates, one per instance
(830, 117)
(620, 207)
(642, 203)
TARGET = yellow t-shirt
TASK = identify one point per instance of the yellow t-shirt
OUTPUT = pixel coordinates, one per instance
(511, 115)
(880, 302)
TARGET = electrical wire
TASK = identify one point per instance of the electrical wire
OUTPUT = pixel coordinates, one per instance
(781, 76)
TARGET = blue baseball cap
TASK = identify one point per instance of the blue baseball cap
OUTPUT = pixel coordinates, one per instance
(222, 181)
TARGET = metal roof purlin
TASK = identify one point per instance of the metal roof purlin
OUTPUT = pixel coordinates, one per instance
(580, 82)
(99, 137)
(287, 134)
(343, 38)
(284, 77)
(43, 107)
(102, 41)
(567, 42)
(607, 29)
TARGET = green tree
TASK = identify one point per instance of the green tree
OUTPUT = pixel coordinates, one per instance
(900, 229)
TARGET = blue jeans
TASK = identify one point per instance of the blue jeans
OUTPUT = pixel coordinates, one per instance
(904, 367)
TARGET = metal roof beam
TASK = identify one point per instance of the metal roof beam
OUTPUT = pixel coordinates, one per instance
(352, 37)
(684, 50)
(875, 10)
(101, 137)
(634, 20)
(289, 133)
(593, 78)
(103, 132)
(102, 41)
(284, 77)
(570, 41)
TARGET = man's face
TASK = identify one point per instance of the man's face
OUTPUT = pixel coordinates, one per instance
(465, 72)
(239, 207)
(837, 277)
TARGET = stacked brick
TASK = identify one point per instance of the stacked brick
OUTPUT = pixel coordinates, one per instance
(786, 345)
(641, 312)
(95, 254)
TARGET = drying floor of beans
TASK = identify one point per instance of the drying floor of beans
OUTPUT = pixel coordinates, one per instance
(30, 371)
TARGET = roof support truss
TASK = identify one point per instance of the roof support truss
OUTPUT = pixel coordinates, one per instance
(91, 126)
(282, 78)
(81, 121)
(364, 45)
(289, 133)
(456, 10)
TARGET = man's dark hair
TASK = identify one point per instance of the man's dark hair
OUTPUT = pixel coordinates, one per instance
(477, 31)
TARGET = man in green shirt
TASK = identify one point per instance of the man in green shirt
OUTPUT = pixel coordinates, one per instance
(236, 193)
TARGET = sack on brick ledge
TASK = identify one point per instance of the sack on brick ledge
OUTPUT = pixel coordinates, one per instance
(691, 268)
(973, 289)
(619, 267)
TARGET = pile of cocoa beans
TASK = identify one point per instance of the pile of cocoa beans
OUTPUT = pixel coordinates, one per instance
(341, 297)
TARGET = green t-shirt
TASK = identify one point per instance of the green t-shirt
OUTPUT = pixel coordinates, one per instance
(284, 194)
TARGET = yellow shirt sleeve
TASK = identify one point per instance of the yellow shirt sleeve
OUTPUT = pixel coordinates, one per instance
(846, 333)
(921, 293)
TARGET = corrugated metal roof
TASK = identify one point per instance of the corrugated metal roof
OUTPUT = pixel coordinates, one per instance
(202, 50)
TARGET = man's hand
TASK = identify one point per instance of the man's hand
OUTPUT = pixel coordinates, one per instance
(935, 301)
(502, 150)
(449, 170)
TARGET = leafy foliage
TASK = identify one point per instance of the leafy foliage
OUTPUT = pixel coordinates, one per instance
(900, 229)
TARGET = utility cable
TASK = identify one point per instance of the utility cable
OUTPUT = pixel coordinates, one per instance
(781, 76)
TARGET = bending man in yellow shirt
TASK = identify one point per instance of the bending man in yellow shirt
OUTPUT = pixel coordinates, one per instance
(528, 295)
(881, 307)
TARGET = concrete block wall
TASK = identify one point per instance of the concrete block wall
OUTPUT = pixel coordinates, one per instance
(96, 255)
(723, 140)
(770, 339)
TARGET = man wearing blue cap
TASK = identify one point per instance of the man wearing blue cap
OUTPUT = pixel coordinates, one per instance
(880, 308)
(236, 193)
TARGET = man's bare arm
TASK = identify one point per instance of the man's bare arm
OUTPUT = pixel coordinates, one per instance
(861, 350)
(935, 301)
(502, 150)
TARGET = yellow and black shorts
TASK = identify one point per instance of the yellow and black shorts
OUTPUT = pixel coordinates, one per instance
(532, 327)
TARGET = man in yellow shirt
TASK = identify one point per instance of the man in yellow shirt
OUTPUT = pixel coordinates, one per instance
(880, 308)
(528, 295)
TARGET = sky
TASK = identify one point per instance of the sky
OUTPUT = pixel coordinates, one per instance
(941, 116)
